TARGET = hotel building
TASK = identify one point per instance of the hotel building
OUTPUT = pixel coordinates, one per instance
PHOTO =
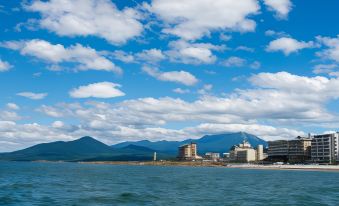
(245, 153)
(296, 150)
(325, 148)
(188, 152)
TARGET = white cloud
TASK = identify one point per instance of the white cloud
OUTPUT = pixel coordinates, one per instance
(58, 124)
(18, 136)
(99, 18)
(332, 52)
(193, 19)
(97, 90)
(86, 57)
(288, 45)
(151, 56)
(205, 89)
(12, 106)
(255, 65)
(123, 56)
(181, 77)
(329, 69)
(234, 62)
(281, 7)
(244, 48)
(9, 116)
(193, 53)
(181, 91)
(31, 95)
(4, 66)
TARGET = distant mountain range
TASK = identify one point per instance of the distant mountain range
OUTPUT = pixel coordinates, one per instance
(90, 149)
(83, 149)
(210, 143)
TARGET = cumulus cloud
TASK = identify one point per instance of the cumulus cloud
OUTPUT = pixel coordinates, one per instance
(4, 66)
(12, 106)
(193, 19)
(288, 45)
(32, 95)
(181, 77)
(97, 90)
(280, 7)
(193, 53)
(330, 69)
(288, 100)
(181, 91)
(151, 56)
(18, 136)
(86, 57)
(99, 18)
(332, 50)
(234, 62)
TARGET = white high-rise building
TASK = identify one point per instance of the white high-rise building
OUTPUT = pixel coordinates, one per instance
(325, 148)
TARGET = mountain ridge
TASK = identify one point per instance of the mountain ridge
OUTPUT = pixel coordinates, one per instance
(208, 143)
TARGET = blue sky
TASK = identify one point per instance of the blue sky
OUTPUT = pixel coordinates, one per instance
(158, 69)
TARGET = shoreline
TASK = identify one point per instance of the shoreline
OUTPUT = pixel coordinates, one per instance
(333, 168)
(325, 168)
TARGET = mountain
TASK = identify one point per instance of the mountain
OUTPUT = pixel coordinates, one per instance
(90, 149)
(83, 149)
(209, 143)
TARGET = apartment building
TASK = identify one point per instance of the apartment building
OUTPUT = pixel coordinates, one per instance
(324, 148)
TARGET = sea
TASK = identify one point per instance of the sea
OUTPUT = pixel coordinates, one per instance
(51, 184)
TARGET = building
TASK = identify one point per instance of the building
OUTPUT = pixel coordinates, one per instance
(260, 153)
(244, 152)
(278, 149)
(212, 156)
(297, 150)
(188, 152)
(324, 148)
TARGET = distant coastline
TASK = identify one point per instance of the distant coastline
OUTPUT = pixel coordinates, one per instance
(334, 168)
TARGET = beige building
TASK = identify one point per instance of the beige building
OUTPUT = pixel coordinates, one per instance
(245, 153)
(188, 152)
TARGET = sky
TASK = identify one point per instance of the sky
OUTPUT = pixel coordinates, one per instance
(127, 70)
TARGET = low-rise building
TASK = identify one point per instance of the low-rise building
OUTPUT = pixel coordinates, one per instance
(324, 148)
(244, 152)
(212, 156)
(188, 152)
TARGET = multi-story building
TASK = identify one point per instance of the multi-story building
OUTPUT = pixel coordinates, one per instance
(299, 150)
(260, 152)
(188, 152)
(296, 150)
(245, 153)
(325, 148)
(278, 149)
(212, 156)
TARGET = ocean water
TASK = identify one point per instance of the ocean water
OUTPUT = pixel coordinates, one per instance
(28, 183)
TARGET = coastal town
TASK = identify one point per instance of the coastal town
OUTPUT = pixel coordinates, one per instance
(313, 149)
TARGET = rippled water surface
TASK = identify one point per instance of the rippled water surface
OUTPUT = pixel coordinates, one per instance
(24, 183)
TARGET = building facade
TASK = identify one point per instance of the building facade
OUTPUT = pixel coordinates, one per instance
(188, 152)
(296, 150)
(212, 156)
(244, 152)
(324, 148)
